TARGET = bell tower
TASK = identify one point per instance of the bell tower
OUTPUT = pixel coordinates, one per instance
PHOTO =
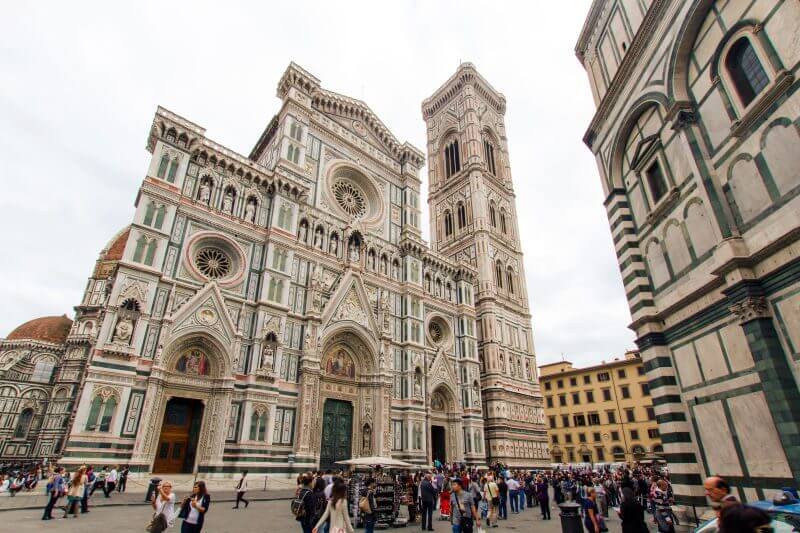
(474, 219)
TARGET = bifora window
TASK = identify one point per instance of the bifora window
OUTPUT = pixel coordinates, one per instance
(745, 69)
(213, 262)
(452, 158)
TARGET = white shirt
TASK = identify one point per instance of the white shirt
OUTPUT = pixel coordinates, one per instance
(194, 514)
(241, 485)
(167, 507)
(112, 476)
(512, 484)
(328, 491)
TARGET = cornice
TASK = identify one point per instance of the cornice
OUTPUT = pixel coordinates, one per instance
(466, 74)
(646, 32)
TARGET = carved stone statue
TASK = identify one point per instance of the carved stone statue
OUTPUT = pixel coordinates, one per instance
(476, 396)
(123, 331)
(205, 192)
(355, 255)
(366, 445)
(250, 212)
(227, 202)
(318, 239)
(267, 357)
(418, 384)
(386, 309)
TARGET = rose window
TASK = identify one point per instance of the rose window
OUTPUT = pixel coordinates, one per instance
(350, 199)
(213, 262)
(435, 331)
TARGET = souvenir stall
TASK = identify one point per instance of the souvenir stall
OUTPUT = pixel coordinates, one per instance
(388, 489)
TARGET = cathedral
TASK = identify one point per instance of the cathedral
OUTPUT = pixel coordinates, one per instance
(281, 311)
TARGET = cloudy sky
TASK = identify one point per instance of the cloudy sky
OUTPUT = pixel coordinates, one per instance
(81, 81)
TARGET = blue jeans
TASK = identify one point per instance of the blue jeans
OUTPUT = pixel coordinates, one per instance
(521, 496)
(369, 526)
(503, 511)
(514, 497)
(456, 528)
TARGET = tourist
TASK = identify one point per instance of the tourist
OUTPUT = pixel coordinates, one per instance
(428, 499)
(463, 514)
(194, 508)
(16, 485)
(512, 494)
(56, 488)
(76, 492)
(662, 506)
(317, 503)
(241, 490)
(632, 513)
(591, 516)
(111, 482)
(302, 505)
(336, 511)
(738, 518)
(492, 495)
(503, 490)
(544, 497)
(368, 506)
(123, 479)
(163, 508)
(719, 492)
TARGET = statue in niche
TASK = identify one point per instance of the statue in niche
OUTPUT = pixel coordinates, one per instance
(318, 239)
(366, 436)
(386, 307)
(418, 384)
(250, 211)
(123, 331)
(355, 255)
(476, 396)
(205, 192)
(267, 356)
(227, 202)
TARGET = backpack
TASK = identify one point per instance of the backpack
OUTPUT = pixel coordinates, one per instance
(363, 505)
(299, 504)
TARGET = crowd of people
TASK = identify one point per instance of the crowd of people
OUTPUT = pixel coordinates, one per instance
(470, 497)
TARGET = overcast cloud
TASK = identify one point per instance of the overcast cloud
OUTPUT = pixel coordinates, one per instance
(81, 82)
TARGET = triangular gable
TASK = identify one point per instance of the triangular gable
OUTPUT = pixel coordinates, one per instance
(350, 302)
(442, 373)
(205, 311)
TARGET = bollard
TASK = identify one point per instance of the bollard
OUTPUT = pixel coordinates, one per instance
(570, 517)
(151, 488)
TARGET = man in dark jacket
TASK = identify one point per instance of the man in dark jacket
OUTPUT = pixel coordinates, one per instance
(428, 497)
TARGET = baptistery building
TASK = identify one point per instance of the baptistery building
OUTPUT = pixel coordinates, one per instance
(281, 311)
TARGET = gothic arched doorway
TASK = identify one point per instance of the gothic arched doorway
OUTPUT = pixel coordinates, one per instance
(445, 426)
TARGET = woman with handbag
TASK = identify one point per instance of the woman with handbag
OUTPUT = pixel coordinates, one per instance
(163, 508)
(336, 511)
(194, 508)
(592, 519)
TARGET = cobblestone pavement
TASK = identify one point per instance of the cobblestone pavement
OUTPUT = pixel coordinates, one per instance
(261, 516)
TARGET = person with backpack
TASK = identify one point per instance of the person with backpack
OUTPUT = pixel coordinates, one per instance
(241, 490)
(302, 504)
(367, 505)
(56, 488)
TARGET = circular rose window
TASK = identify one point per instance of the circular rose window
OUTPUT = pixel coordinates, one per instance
(435, 331)
(350, 198)
(213, 262)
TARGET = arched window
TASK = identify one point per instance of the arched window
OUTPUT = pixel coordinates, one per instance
(462, 216)
(173, 170)
(160, 213)
(488, 153)
(452, 158)
(498, 275)
(138, 253)
(151, 252)
(510, 280)
(101, 413)
(149, 212)
(448, 223)
(745, 69)
(503, 220)
(24, 424)
(258, 426)
(162, 166)
(492, 214)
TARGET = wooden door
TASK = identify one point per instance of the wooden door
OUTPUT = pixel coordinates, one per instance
(171, 453)
(337, 431)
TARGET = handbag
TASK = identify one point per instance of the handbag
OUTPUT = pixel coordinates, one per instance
(157, 524)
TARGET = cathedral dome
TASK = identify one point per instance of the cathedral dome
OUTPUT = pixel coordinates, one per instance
(116, 246)
(46, 329)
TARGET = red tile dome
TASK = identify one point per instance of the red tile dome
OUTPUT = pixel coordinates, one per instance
(47, 329)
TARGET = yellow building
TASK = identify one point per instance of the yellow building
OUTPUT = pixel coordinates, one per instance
(599, 414)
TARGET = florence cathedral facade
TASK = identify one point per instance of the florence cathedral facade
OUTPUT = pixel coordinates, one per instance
(280, 311)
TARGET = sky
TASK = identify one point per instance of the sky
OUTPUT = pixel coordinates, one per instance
(81, 82)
